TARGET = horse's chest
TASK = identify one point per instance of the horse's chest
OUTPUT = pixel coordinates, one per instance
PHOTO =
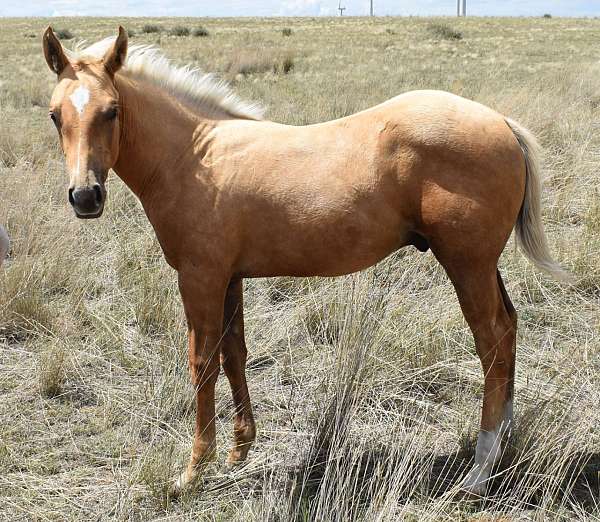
(170, 236)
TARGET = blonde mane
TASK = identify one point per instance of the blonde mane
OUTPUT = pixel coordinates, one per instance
(190, 85)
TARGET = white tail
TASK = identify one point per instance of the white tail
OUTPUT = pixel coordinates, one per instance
(529, 228)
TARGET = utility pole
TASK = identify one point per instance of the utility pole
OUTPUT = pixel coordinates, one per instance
(464, 7)
(341, 9)
(461, 7)
(372, 8)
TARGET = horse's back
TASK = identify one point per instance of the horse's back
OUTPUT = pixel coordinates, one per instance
(439, 118)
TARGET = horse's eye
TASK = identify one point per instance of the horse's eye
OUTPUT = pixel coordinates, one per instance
(54, 118)
(111, 114)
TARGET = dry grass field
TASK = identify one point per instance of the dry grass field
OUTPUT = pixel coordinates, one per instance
(366, 388)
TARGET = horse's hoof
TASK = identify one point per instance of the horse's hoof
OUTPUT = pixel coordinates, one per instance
(474, 486)
(177, 486)
(234, 459)
(191, 474)
(186, 480)
(237, 455)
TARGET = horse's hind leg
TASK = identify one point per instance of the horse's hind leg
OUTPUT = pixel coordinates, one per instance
(493, 321)
(512, 313)
(233, 361)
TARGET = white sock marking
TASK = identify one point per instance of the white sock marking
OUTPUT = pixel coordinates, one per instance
(487, 453)
(487, 450)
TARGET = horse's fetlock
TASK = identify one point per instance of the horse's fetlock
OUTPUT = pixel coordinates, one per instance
(245, 431)
(203, 452)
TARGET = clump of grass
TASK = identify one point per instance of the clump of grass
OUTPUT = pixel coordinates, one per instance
(180, 30)
(287, 64)
(157, 472)
(63, 34)
(444, 32)
(322, 325)
(151, 28)
(130, 32)
(286, 31)
(24, 306)
(322, 484)
(201, 31)
(260, 62)
(51, 372)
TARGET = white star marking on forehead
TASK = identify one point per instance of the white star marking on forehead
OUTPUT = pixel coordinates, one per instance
(80, 98)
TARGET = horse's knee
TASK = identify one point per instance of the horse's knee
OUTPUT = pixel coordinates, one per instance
(233, 358)
(233, 352)
(203, 373)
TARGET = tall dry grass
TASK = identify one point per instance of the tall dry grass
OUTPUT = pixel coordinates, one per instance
(366, 388)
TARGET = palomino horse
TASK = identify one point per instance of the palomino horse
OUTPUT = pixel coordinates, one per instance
(231, 196)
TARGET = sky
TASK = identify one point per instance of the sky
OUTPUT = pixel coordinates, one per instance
(116, 8)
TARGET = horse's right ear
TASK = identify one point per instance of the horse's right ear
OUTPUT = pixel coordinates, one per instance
(53, 51)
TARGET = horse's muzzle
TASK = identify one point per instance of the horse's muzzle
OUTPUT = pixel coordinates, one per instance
(87, 202)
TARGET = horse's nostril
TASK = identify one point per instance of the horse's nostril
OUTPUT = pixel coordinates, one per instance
(71, 199)
(98, 193)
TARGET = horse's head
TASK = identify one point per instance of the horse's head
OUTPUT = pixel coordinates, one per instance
(85, 110)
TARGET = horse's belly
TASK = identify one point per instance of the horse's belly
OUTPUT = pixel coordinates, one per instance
(330, 221)
(325, 252)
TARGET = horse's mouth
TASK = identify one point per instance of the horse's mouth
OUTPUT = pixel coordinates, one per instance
(89, 215)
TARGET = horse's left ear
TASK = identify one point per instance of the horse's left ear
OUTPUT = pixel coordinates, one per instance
(115, 56)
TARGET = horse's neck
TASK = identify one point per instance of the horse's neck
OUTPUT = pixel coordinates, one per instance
(158, 136)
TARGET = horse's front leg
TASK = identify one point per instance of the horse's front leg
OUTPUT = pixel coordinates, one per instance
(203, 295)
(233, 360)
